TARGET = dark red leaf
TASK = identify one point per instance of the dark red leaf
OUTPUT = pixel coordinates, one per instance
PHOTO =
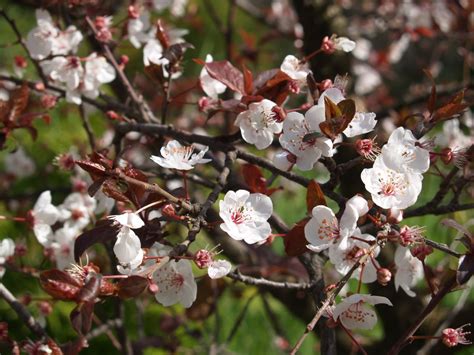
(338, 117)
(254, 178)
(276, 88)
(314, 196)
(227, 74)
(295, 241)
(113, 189)
(59, 284)
(132, 286)
(19, 100)
(103, 231)
(90, 290)
(432, 99)
(91, 167)
(312, 87)
(248, 80)
(81, 317)
(262, 78)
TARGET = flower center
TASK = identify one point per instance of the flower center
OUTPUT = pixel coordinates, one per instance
(328, 229)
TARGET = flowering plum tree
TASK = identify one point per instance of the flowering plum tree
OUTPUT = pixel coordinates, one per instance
(161, 183)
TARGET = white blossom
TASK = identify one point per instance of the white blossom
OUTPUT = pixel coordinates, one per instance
(176, 283)
(296, 127)
(345, 256)
(63, 246)
(363, 122)
(77, 209)
(127, 247)
(259, 123)
(128, 219)
(44, 214)
(409, 270)
(19, 164)
(245, 215)
(7, 249)
(176, 156)
(176, 7)
(219, 268)
(97, 72)
(402, 154)
(283, 160)
(323, 229)
(389, 188)
(295, 69)
(344, 44)
(211, 86)
(46, 39)
(353, 312)
(137, 29)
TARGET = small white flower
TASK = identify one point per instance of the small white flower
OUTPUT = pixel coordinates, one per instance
(363, 122)
(44, 216)
(296, 127)
(137, 29)
(127, 248)
(409, 270)
(218, 269)
(353, 312)
(7, 249)
(176, 156)
(344, 44)
(345, 256)
(97, 72)
(63, 246)
(259, 123)
(176, 284)
(76, 210)
(403, 155)
(295, 69)
(245, 215)
(19, 164)
(177, 7)
(389, 188)
(324, 231)
(128, 219)
(211, 87)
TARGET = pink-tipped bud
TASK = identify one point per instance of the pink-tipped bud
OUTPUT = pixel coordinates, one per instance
(153, 288)
(133, 12)
(328, 46)
(39, 87)
(114, 116)
(123, 61)
(421, 251)
(384, 276)
(452, 337)
(45, 308)
(203, 258)
(294, 87)
(48, 101)
(325, 84)
(20, 62)
(281, 343)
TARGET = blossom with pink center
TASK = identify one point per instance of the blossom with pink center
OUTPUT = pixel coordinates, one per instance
(212, 87)
(353, 312)
(296, 69)
(176, 283)
(409, 270)
(215, 268)
(245, 215)
(176, 156)
(297, 128)
(389, 188)
(46, 39)
(367, 148)
(323, 229)
(411, 235)
(259, 123)
(348, 254)
(452, 337)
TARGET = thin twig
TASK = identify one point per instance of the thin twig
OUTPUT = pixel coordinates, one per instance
(236, 275)
(22, 312)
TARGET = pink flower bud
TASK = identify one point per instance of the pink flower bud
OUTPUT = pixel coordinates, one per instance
(153, 288)
(39, 87)
(45, 308)
(113, 115)
(328, 46)
(20, 62)
(203, 258)
(384, 276)
(133, 12)
(325, 84)
(452, 337)
(48, 101)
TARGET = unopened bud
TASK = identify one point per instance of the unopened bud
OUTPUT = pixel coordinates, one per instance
(133, 12)
(48, 101)
(20, 62)
(153, 288)
(45, 308)
(328, 46)
(169, 211)
(325, 84)
(203, 258)
(383, 276)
